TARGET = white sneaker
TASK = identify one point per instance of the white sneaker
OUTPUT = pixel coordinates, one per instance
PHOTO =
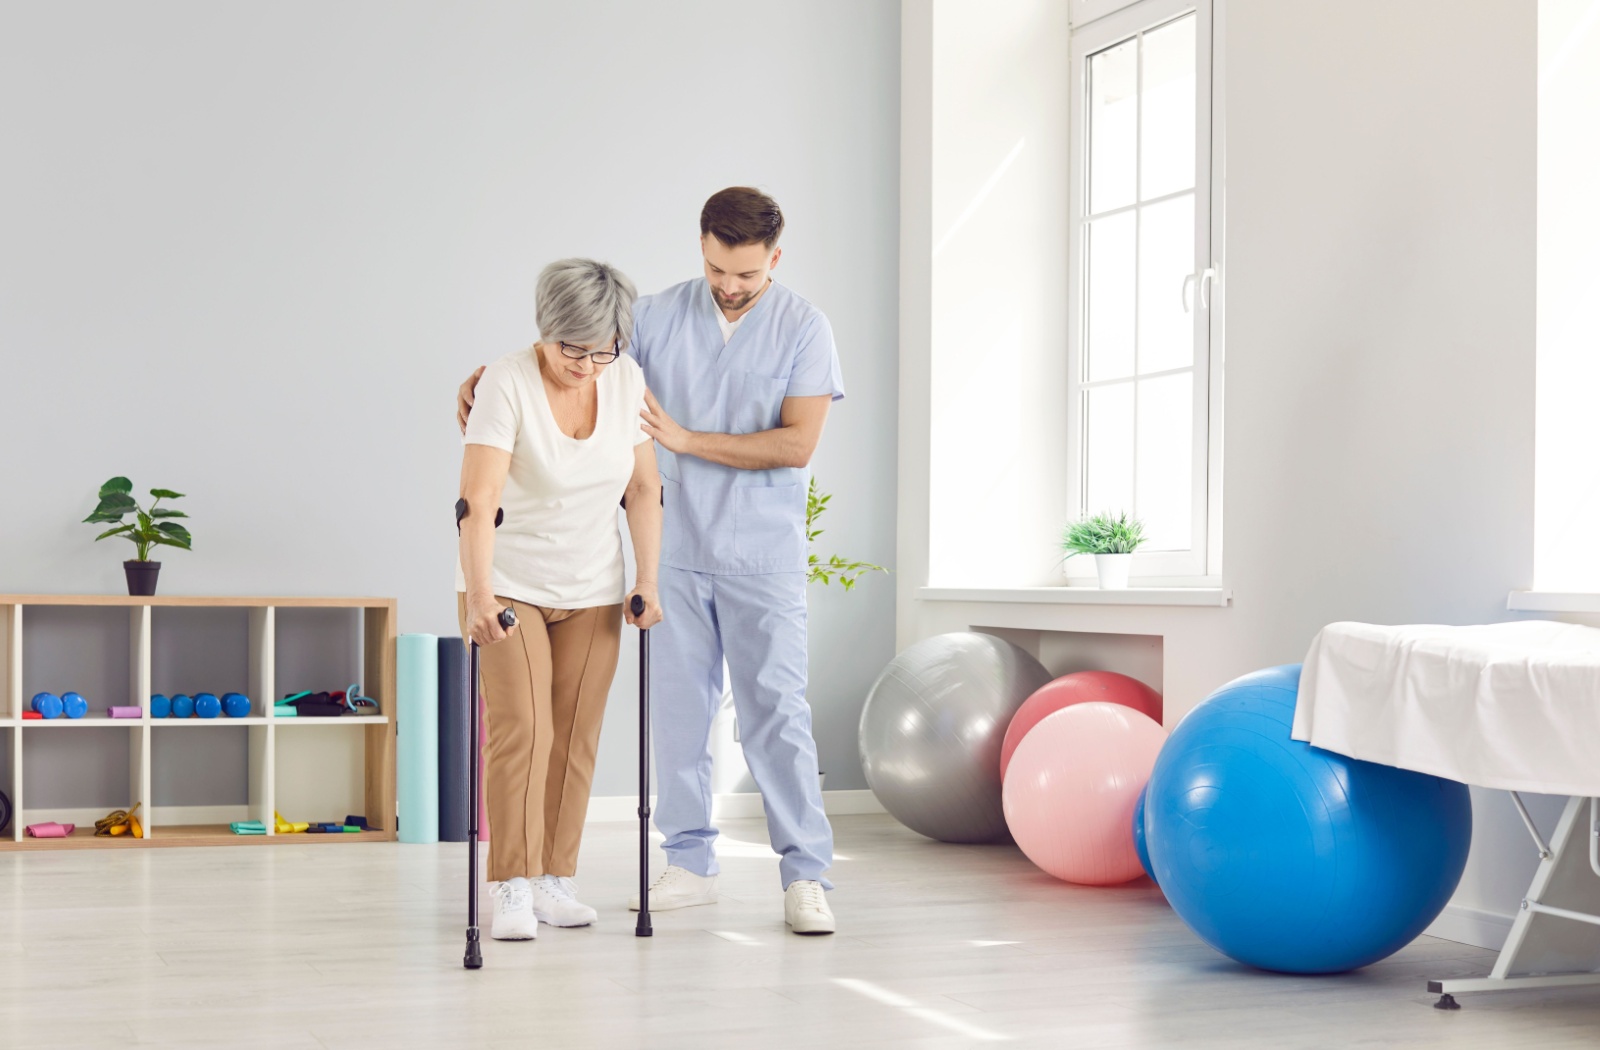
(513, 912)
(805, 908)
(678, 888)
(555, 904)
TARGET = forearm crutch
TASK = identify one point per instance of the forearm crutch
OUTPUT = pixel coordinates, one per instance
(508, 619)
(474, 957)
(642, 927)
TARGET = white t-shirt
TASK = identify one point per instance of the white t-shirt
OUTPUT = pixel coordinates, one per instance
(729, 327)
(560, 546)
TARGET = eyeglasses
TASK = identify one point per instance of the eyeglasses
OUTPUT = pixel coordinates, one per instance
(578, 353)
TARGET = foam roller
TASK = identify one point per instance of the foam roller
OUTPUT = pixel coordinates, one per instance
(417, 657)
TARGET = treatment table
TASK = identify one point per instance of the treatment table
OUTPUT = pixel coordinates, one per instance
(1514, 706)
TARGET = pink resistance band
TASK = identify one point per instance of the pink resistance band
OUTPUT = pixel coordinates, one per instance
(127, 712)
(50, 830)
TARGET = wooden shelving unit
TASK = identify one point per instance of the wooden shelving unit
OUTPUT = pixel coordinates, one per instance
(377, 628)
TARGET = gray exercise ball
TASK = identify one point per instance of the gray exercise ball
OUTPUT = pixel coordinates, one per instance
(932, 728)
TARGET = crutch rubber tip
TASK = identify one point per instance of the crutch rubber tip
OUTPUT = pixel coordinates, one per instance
(643, 929)
(474, 956)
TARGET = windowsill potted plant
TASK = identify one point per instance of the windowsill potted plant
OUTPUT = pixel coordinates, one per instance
(1112, 540)
(145, 531)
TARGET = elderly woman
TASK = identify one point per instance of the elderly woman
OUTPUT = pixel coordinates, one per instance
(554, 441)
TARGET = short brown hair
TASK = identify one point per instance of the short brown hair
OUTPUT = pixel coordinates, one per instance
(741, 215)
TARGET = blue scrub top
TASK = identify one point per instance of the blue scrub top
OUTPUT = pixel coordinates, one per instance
(721, 519)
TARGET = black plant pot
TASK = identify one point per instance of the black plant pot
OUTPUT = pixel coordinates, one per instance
(142, 576)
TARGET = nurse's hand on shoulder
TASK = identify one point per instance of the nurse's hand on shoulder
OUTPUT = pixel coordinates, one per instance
(464, 397)
(652, 607)
(661, 426)
(483, 620)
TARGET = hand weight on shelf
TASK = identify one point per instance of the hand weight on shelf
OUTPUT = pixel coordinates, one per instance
(160, 706)
(182, 706)
(236, 705)
(74, 705)
(206, 705)
(47, 704)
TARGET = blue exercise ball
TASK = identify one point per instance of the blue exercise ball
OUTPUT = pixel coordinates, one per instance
(1290, 858)
(1139, 845)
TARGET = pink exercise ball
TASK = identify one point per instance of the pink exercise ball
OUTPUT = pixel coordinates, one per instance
(1071, 789)
(1079, 687)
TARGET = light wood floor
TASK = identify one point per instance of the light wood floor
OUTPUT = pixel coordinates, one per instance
(940, 946)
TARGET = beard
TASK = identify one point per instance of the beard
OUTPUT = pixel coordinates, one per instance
(734, 304)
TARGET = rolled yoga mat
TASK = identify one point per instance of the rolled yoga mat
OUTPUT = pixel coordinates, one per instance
(417, 657)
(455, 725)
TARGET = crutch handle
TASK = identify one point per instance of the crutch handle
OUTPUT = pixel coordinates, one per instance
(637, 605)
(508, 618)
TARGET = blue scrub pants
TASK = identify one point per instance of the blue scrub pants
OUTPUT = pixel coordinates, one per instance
(759, 623)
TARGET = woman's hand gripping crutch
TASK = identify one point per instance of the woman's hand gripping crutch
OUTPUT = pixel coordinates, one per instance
(474, 957)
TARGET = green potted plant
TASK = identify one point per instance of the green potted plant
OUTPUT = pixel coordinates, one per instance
(1111, 539)
(727, 758)
(145, 531)
(835, 567)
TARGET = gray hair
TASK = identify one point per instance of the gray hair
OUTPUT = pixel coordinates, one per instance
(586, 302)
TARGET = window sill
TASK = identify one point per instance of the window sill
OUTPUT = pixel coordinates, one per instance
(1553, 601)
(1192, 596)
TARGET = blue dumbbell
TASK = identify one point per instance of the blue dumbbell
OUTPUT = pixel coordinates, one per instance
(182, 706)
(73, 705)
(160, 706)
(47, 704)
(206, 705)
(236, 705)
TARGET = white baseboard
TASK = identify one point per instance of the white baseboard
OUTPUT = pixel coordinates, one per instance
(162, 815)
(606, 809)
(603, 809)
(1481, 929)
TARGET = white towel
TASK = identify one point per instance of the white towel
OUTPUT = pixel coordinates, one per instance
(1508, 705)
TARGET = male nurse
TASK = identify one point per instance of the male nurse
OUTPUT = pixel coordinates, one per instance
(742, 372)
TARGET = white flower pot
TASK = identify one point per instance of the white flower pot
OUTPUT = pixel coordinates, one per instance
(1113, 570)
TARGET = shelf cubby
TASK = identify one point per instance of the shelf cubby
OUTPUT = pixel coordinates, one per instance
(194, 775)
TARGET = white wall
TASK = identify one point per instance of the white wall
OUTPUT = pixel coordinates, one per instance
(1378, 405)
(250, 250)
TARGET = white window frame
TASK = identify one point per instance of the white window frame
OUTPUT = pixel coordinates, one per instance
(1202, 563)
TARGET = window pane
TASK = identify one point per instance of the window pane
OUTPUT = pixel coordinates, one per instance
(1166, 133)
(1113, 125)
(1108, 449)
(1110, 296)
(1166, 257)
(1166, 443)
(1566, 488)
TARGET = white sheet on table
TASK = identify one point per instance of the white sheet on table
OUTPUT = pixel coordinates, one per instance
(1507, 705)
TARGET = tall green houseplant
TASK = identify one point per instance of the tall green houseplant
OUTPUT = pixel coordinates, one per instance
(835, 568)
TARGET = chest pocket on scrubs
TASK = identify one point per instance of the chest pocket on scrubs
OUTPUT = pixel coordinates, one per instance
(758, 402)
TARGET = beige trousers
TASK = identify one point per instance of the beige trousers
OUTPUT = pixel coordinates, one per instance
(544, 694)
